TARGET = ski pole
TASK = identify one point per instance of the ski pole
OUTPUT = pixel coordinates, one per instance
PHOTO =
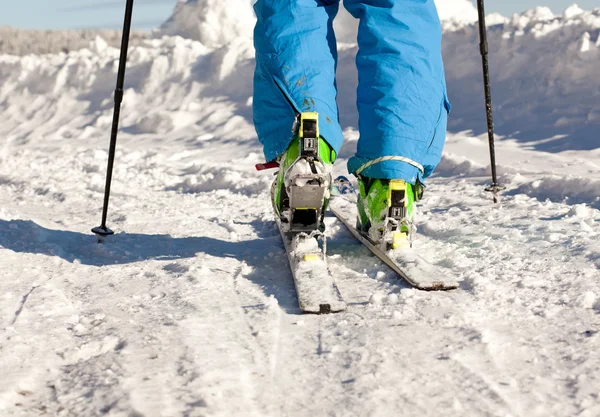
(103, 231)
(483, 47)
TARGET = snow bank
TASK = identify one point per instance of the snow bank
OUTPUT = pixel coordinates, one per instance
(212, 22)
(456, 13)
(171, 84)
(571, 190)
(544, 78)
(543, 66)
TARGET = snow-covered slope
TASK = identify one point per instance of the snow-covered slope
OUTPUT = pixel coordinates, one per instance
(172, 84)
(544, 78)
(212, 22)
(456, 11)
(190, 309)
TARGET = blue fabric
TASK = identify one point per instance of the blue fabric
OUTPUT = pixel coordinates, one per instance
(401, 99)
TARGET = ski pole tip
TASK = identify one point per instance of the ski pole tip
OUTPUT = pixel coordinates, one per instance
(495, 189)
(102, 232)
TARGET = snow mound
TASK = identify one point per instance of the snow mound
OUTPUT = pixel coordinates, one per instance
(571, 190)
(496, 19)
(456, 12)
(543, 68)
(537, 14)
(454, 165)
(544, 73)
(172, 84)
(212, 22)
(572, 11)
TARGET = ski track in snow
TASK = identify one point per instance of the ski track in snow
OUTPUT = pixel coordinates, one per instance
(190, 309)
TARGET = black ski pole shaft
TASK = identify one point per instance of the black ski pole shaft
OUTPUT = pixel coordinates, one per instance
(103, 230)
(483, 47)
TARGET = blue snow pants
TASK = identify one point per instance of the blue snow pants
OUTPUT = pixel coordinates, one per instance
(401, 97)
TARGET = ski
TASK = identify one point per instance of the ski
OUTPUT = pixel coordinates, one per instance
(315, 286)
(410, 266)
(299, 196)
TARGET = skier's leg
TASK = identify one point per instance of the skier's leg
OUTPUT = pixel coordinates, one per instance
(402, 92)
(295, 70)
(295, 112)
(402, 109)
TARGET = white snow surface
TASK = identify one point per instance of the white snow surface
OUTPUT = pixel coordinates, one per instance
(543, 77)
(212, 22)
(190, 310)
(456, 11)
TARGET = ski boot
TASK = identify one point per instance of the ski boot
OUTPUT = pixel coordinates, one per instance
(386, 211)
(301, 191)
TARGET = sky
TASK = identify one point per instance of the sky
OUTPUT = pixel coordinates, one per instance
(71, 14)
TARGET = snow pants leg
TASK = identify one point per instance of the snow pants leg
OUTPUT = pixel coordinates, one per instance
(401, 94)
(296, 58)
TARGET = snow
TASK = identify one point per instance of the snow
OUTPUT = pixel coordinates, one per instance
(456, 11)
(190, 308)
(537, 14)
(543, 79)
(495, 19)
(376, 298)
(573, 11)
(212, 22)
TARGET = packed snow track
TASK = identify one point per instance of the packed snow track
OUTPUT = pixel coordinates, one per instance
(190, 308)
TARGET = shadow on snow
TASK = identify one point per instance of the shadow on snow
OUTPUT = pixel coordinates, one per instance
(271, 273)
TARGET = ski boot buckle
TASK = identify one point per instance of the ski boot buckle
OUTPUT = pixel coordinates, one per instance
(307, 187)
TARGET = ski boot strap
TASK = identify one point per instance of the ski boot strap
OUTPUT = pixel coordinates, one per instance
(397, 199)
(308, 134)
(309, 138)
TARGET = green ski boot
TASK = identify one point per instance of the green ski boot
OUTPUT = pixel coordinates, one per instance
(301, 191)
(386, 211)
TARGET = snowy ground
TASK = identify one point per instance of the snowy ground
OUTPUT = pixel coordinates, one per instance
(190, 309)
